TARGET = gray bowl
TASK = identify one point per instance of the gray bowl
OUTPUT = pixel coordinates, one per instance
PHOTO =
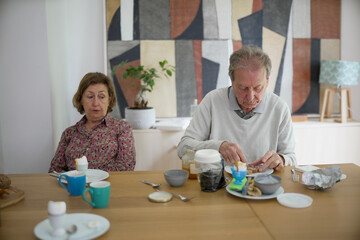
(268, 184)
(176, 177)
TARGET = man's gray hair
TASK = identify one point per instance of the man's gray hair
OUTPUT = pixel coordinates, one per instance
(249, 57)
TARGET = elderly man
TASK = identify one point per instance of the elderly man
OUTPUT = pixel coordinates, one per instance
(244, 122)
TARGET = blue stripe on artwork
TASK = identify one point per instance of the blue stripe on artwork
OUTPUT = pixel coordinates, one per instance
(114, 32)
(210, 72)
(195, 31)
(280, 72)
(276, 15)
(312, 104)
(136, 33)
(251, 29)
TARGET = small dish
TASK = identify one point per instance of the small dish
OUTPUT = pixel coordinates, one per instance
(160, 196)
(43, 229)
(262, 197)
(268, 184)
(294, 200)
(92, 175)
(176, 177)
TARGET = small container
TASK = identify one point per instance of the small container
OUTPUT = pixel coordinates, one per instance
(188, 163)
(210, 170)
(268, 184)
(193, 107)
(176, 177)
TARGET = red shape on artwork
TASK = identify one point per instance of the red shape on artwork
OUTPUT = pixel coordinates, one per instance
(325, 18)
(302, 70)
(257, 5)
(129, 86)
(197, 48)
(182, 13)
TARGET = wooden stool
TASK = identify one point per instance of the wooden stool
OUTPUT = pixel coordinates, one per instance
(327, 105)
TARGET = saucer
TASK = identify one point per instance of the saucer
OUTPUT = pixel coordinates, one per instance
(92, 175)
(89, 226)
(262, 197)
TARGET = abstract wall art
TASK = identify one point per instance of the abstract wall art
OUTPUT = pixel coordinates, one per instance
(198, 37)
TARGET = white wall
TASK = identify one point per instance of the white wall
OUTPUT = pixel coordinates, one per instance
(46, 47)
(350, 44)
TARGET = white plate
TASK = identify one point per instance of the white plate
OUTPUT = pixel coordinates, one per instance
(92, 175)
(262, 197)
(160, 196)
(266, 172)
(84, 231)
(294, 200)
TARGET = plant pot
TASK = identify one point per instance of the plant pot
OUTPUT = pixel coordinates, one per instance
(140, 118)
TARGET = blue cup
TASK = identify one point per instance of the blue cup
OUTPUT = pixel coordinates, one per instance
(100, 194)
(76, 182)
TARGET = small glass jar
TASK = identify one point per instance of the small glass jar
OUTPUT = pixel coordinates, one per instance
(188, 163)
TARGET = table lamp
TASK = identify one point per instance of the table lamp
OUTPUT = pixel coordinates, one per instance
(338, 73)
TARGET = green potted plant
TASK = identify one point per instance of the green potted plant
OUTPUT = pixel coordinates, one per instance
(141, 116)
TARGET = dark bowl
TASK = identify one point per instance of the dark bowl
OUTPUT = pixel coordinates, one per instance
(268, 184)
(176, 177)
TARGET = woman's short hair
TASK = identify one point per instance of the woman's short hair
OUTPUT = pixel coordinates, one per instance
(91, 79)
(249, 56)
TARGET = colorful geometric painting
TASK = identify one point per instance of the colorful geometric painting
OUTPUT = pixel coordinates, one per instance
(198, 37)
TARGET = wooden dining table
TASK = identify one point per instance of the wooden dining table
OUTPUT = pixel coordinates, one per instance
(334, 213)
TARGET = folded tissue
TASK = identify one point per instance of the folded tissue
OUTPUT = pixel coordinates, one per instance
(322, 178)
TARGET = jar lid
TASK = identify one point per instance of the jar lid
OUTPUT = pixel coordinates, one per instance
(207, 156)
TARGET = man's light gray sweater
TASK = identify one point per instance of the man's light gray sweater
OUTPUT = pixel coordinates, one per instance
(215, 121)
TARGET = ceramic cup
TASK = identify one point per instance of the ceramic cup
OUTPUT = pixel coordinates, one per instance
(76, 182)
(100, 194)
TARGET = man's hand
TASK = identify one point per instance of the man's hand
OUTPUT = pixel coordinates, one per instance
(270, 160)
(231, 152)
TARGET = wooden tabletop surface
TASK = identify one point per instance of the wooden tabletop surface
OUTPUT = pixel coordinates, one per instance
(334, 214)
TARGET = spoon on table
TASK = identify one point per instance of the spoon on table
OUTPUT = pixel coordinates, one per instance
(154, 185)
(71, 230)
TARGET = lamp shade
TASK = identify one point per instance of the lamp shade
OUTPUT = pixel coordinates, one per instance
(339, 72)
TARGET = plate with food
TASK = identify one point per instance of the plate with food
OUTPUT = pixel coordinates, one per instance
(92, 175)
(251, 172)
(261, 197)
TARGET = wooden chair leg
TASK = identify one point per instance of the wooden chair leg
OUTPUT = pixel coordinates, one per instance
(330, 103)
(349, 103)
(344, 104)
(323, 107)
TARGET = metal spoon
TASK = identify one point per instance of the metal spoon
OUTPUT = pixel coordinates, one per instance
(71, 230)
(182, 198)
(154, 185)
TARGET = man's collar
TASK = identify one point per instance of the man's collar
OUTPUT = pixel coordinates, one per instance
(233, 104)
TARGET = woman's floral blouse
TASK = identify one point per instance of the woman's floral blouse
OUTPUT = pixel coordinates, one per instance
(109, 146)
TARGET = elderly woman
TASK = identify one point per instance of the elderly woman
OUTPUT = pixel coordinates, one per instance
(107, 143)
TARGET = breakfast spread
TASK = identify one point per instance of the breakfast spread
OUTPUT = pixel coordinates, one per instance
(5, 183)
(9, 195)
(241, 183)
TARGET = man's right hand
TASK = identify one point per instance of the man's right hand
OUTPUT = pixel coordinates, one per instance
(231, 152)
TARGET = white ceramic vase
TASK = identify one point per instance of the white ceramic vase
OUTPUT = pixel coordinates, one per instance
(140, 118)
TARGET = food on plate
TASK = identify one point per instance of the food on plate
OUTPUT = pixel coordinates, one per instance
(252, 170)
(253, 190)
(5, 181)
(3, 191)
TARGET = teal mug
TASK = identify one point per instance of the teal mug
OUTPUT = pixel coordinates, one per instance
(100, 194)
(76, 182)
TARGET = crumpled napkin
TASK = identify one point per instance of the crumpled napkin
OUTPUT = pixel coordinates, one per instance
(322, 178)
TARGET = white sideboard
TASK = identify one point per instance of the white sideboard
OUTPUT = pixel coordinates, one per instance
(316, 143)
